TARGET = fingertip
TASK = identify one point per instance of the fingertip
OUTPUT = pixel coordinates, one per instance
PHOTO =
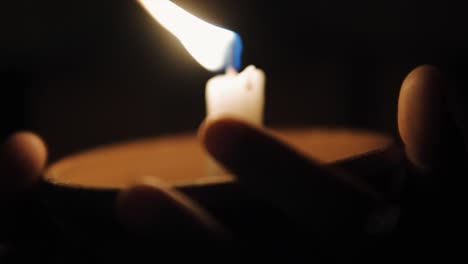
(24, 155)
(421, 114)
(220, 136)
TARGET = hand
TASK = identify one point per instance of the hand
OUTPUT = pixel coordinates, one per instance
(317, 197)
(23, 223)
(432, 123)
(428, 129)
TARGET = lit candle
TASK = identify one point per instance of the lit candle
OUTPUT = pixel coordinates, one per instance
(217, 49)
(240, 95)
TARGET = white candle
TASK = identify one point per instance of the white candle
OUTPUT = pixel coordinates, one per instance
(240, 95)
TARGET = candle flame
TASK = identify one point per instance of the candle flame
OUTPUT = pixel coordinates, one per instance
(213, 47)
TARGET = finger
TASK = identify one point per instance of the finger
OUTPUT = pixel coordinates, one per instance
(22, 159)
(154, 209)
(308, 192)
(425, 126)
(434, 145)
(381, 169)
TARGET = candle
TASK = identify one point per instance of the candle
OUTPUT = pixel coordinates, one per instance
(240, 95)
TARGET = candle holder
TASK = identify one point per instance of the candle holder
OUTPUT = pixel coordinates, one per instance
(79, 191)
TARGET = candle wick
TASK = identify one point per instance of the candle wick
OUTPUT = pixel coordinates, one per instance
(230, 70)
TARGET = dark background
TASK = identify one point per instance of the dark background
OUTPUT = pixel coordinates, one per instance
(84, 73)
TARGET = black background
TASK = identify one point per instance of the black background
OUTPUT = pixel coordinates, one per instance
(84, 73)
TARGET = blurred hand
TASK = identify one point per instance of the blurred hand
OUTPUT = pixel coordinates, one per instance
(324, 202)
(158, 211)
(432, 121)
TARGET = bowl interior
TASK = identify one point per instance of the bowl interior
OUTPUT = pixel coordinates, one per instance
(180, 160)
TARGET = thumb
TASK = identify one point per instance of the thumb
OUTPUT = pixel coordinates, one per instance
(22, 159)
(429, 133)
